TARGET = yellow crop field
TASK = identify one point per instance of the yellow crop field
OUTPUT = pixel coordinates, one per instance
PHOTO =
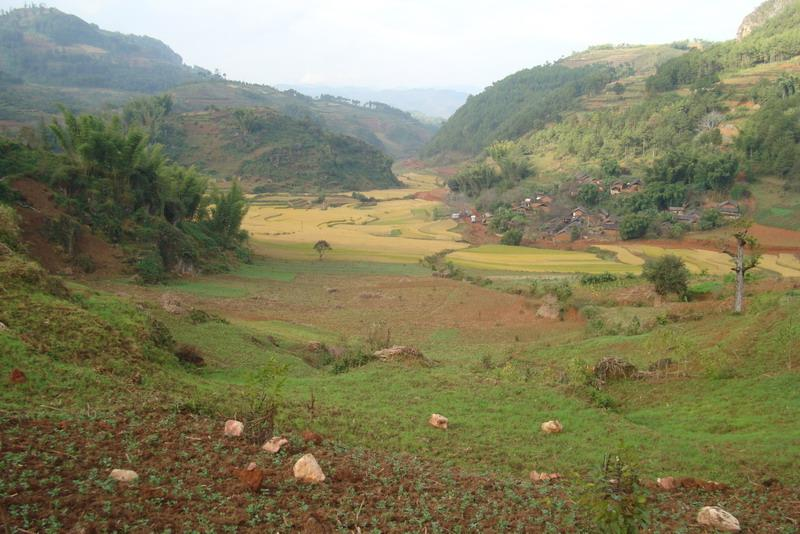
(536, 260)
(699, 260)
(398, 230)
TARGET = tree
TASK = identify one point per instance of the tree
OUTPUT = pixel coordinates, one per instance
(633, 226)
(512, 237)
(322, 247)
(668, 274)
(742, 263)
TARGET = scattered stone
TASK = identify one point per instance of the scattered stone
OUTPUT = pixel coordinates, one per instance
(400, 353)
(306, 469)
(671, 483)
(543, 477)
(274, 445)
(661, 365)
(337, 352)
(552, 427)
(551, 309)
(311, 437)
(369, 295)
(17, 377)
(233, 428)
(609, 369)
(315, 346)
(123, 475)
(171, 303)
(331, 290)
(252, 476)
(438, 421)
(716, 517)
(3, 327)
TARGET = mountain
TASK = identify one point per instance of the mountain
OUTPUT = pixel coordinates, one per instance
(48, 57)
(434, 103)
(273, 152)
(761, 15)
(45, 46)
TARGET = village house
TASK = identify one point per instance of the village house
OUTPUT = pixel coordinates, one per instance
(633, 187)
(690, 217)
(677, 210)
(617, 187)
(579, 213)
(729, 209)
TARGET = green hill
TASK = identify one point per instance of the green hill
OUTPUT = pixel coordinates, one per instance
(45, 46)
(49, 57)
(274, 152)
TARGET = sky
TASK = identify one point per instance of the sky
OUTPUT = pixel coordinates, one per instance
(457, 44)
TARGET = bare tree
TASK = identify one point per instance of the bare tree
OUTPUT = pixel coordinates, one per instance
(742, 263)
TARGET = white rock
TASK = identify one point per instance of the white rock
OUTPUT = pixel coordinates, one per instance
(274, 445)
(552, 427)
(714, 516)
(3, 327)
(233, 428)
(306, 469)
(124, 475)
(439, 421)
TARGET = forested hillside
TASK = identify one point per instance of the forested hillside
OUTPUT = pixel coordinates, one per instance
(45, 46)
(274, 152)
(522, 102)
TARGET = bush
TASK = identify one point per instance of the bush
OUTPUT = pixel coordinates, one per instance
(615, 499)
(668, 274)
(151, 269)
(512, 237)
(633, 226)
(593, 279)
(9, 227)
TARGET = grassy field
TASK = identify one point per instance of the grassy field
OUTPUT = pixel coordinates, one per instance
(525, 259)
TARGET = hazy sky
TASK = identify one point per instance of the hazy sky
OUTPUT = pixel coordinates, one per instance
(400, 43)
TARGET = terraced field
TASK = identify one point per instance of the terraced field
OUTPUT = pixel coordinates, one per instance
(536, 260)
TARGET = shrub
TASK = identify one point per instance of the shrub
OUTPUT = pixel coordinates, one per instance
(512, 237)
(668, 274)
(602, 278)
(151, 269)
(615, 499)
(9, 227)
(191, 355)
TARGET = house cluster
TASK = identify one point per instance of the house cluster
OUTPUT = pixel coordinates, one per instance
(728, 209)
(619, 187)
(594, 224)
(540, 202)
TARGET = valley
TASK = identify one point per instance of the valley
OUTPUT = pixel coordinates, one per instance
(573, 306)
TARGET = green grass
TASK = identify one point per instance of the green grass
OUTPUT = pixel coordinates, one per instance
(775, 207)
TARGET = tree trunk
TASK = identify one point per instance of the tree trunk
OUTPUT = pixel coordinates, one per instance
(740, 271)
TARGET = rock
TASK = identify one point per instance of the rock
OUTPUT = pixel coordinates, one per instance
(759, 17)
(17, 377)
(274, 445)
(552, 427)
(171, 303)
(252, 476)
(609, 369)
(438, 421)
(551, 309)
(123, 475)
(233, 428)
(369, 295)
(306, 469)
(311, 437)
(399, 353)
(315, 346)
(331, 290)
(716, 517)
(543, 477)
(3, 327)
(667, 483)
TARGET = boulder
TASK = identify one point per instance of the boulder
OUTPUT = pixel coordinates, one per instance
(667, 483)
(123, 475)
(550, 309)
(252, 476)
(233, 428)
(274, 445)
(306, 469)
(716, 517)
(171, 303)
(315, 346)
(543, 477)
(17, 377)
(438, 421)
(552, 427)
(3, 327)
(399, 353)
(671, 483)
